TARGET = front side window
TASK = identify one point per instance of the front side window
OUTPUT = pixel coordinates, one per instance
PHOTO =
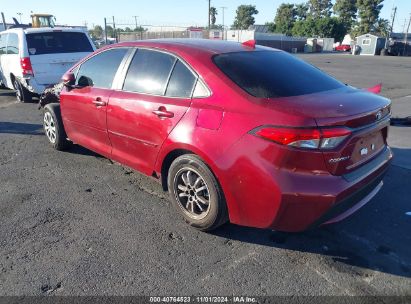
(3, 44)
(58, 42)
(181, 82)
(273, 74)
(149, 72)
(13, 44)
(99, 71)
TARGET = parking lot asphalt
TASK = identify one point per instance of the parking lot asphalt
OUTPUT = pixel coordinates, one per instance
(74, 223)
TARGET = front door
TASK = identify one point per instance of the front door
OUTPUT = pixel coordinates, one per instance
(156, 94)
(84, 109)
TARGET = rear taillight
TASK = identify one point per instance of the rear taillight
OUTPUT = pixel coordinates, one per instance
(308, 138)
(25, 64)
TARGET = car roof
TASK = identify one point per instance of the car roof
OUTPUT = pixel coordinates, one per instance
(211, 47)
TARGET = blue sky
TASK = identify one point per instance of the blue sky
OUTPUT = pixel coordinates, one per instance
(161, 12)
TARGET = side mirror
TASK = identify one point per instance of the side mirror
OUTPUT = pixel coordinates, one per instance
(68, 80)
(85, 81)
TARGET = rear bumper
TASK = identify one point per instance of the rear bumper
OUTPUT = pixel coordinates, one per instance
(348, 194)
(31, 84)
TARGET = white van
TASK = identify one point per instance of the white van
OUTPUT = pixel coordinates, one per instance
(33, 58)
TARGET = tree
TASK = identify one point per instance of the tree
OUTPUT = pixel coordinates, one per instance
(383, 27)
(368, 11)
(301, 11)
(346, 10)
(110, 31)
(139, 29)
(245, 17)
(304, 28)
(285, 18)
(331, 27)
(320, 8)
(271, 27)
(213, 16)
(96, 32)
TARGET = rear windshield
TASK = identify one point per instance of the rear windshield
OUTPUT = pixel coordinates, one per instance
(57, 42)
(271, 74)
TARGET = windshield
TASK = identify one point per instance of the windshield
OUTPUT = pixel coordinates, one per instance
(58, 42)
(271, 74)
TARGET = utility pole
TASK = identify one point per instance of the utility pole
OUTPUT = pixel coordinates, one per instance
(114, 29)
(135, 18)
(209, 14)
(394, 13)
(393, 20)
(4, 21)
(223, 8)
(105, 30)
(406, 37)
(19, 16)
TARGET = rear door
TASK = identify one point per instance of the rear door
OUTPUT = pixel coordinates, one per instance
(53, 53)
(156, 94)
(84, 109)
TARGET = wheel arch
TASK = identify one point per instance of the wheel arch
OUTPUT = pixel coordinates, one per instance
(54, 107)
(171, 155)
(12, 79)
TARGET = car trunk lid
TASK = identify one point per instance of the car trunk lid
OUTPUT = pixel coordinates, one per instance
(366, 115)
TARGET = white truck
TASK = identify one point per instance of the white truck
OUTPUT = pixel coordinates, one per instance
(31, 59)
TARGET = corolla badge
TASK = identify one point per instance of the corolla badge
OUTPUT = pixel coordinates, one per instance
(338, 160)
(364, 152)
(378, 116)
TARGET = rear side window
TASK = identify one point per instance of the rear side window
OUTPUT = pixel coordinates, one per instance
(13, 44)
(99, 71)
(271, 74)
(149, 72)
(3, 44)
(57, 42)
(181, 82)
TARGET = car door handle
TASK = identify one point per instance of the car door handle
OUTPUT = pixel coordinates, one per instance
(163, 113)
(99, 103)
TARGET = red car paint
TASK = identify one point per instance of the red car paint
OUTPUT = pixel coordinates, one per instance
(343, 48)
(265, 184)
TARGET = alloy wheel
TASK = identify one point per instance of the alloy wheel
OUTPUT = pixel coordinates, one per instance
(50, 127)
(192, 193)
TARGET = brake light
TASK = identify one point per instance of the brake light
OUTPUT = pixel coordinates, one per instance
(25, 64)
(308, 138)
(332, 138)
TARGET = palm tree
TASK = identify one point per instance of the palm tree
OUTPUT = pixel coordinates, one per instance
(213, 15)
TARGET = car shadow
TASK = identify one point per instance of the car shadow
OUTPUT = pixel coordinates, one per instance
(401, 122)
(21, 128)
(375, 238)
(7, 93)
(12, 93)
(79, 150)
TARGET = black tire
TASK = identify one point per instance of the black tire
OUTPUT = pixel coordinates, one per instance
(214, 214)
(54, 128)
(22, 94)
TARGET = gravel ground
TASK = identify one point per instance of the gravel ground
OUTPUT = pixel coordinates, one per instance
(74, 223)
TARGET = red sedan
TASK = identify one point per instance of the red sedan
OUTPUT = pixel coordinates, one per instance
(234, 132)
(343, 48)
